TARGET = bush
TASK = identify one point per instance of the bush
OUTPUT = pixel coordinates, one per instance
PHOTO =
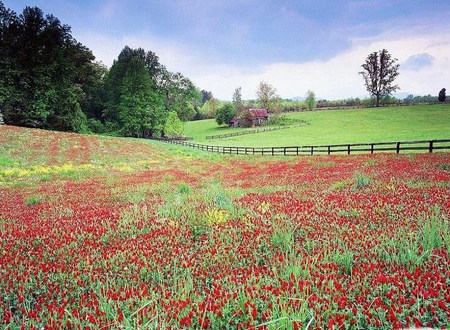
(173, 126)
(311, 102)
(225, 113)
(96, 126)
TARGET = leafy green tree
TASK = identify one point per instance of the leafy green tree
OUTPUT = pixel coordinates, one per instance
(181, 95)
(43, 71)
(380, 71)
(93, 102)
(311, 102)
(225, 113)
(206, 96)
(174, 126)
(237, 98)
(267, 97)
(134, 102)
(140, 108)
(209, 109)
(117, 72)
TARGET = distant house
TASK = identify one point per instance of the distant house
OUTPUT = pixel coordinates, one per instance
(256, 117)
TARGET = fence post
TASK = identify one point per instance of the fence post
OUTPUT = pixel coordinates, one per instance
(398, 147)
(312, 150)
(348, 150)
(371, 148)
(272, 151)
(329, 150)
(430, 148)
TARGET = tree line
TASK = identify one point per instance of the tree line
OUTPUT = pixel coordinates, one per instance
(50, 80)
(380, 70)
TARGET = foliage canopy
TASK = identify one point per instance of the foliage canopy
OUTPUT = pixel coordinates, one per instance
(49, 80)
(45, 74)
(380, 71)
(267, 96)
(225, 113)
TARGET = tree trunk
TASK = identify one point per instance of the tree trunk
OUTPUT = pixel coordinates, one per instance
(378, 100)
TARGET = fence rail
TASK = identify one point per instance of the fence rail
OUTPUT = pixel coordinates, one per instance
(397, 147)
(253, 131)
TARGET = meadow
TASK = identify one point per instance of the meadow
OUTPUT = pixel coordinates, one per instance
(101, 232)
(322, 127)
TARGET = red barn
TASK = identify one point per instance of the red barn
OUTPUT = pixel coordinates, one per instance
(256, 116)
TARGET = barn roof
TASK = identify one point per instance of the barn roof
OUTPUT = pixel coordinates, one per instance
(259, 112)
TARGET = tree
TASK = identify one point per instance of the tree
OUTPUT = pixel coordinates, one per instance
(135, 103)
(409, 99)
(267, 96)
(174, 126)
(225, 113)
(311, 101)
(380, 71)
(206, 96)
(442, 95)
(44, 72)
(114, 78)
(182, 96)
(140, 106)
(209, 109)
(237, 98)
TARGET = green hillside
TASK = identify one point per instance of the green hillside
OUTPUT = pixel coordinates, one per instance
(421, 122)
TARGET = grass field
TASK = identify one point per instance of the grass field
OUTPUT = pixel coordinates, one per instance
(110, 233)
(421, 122)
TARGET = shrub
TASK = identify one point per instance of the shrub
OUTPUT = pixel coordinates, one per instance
(225, 113)
(311, 102)
(173, 126)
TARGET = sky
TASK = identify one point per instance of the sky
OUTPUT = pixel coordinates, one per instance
(294, 45)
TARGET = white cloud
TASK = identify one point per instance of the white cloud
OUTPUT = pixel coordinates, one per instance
(107, 48)
(338, 77)
(335, 78)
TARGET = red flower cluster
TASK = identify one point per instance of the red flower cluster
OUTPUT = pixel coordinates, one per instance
(318, 242)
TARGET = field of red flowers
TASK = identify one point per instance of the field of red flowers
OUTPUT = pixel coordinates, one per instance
(99, 232)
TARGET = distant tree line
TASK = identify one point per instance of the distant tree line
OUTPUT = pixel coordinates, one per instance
(223, 112)
(49, 80)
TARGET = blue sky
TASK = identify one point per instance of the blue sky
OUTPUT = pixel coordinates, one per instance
(293, 45)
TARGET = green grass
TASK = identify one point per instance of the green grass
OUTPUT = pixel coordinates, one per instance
(420, 122)
(198, 130)
(6, 161)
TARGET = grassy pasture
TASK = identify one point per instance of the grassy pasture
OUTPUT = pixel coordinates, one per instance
(421, 122)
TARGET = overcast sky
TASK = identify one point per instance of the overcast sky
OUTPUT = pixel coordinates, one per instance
(294, 45)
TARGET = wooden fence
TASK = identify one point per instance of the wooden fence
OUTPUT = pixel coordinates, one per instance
(362, 106)
(355, 148)
(253, 131)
